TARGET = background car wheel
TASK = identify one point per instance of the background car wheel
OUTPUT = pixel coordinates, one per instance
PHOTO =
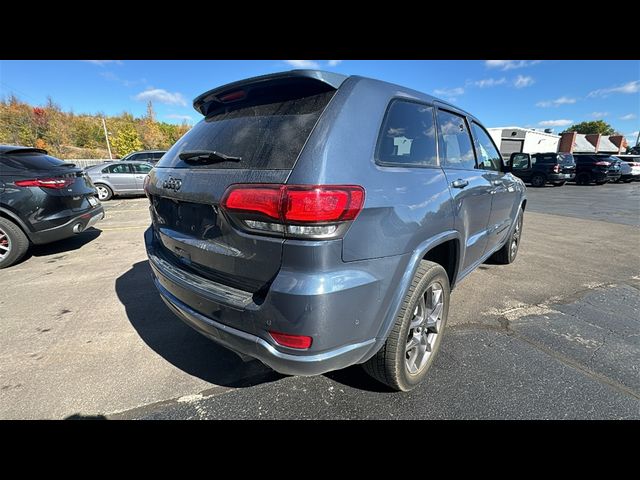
(13, 243)
(601, 183)
(628, 180)
(583, 179)
(559, 184)
(507, 254)
(415, 338)
(104, 192)
(538, 181)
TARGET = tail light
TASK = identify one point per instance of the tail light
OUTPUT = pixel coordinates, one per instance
(291, 341)
(603, 164)
(55, 183)
(307, 211)
(556, 168)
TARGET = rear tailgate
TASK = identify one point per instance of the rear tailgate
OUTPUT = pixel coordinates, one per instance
(265, 122)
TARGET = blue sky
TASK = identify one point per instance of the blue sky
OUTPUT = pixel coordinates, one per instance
(538, 94)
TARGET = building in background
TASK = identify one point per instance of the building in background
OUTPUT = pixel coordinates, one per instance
(517, 139)
(572, 142)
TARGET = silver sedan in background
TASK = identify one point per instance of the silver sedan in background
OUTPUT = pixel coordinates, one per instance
(118, 178)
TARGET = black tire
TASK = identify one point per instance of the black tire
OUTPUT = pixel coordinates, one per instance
(108, 193)
(601, 183)
(13, 238)
(389, 365)
(583, 178)
(559, 184)
(507, 254)
(538, 180)
(628, 180)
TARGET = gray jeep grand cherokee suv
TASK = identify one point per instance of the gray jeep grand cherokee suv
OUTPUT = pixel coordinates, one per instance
(316, 221)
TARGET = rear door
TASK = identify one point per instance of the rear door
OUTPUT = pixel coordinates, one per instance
(140, 170)
(470, 188)
(265, 125)
(121, 176)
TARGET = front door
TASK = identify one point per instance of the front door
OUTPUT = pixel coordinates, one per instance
(503, 203)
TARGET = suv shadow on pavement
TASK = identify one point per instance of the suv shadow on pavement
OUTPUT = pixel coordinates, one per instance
(177, 343)
(61, 246)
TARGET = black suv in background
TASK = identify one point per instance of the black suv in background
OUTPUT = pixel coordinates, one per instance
(42, 199)
(151, 156)
(541, 168)
(599, 169)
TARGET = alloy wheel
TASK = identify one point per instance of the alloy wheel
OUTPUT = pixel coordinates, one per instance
(5, 244)
(424, 328)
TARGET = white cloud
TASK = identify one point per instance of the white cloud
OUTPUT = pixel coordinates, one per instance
(333, 63)
(599, 114)
(449, 92)
(303, 63)
(161, 96)
(102, 63)
(555, 123)
(557, 102)
(510, 64)
(114, 78)
(631, 138)
(175, 116)
(489, 82)
(522, 81)
(630, 87)
(629, 116)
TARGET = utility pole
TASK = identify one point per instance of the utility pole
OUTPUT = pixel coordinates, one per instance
(106, 136)
(638, 139)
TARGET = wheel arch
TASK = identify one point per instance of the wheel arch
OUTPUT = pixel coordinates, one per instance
(9, 215)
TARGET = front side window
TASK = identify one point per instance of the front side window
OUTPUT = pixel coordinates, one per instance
(489, 157)
(455, 142)
(408, 136)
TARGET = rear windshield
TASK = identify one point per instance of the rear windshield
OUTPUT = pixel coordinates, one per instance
(30, 161)
(565, 159)
(267, 136)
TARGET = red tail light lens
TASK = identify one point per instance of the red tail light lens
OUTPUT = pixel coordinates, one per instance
(556, 168)
(292, 341)
(56, 183)
(303, 211)
(297, 203)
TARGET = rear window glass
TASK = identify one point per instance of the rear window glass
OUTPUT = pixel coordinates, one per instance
(30, 161)
(266, 136)
(565, 158)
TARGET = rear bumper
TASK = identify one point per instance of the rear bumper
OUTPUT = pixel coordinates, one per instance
(80, 222)
(256, 347)
(560, 177)
(340, 310)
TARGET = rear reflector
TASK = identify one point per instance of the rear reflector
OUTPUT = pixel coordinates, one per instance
(56, 183)
(291, 341)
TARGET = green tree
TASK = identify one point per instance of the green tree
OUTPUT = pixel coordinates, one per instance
(596, 126)
(126, 141)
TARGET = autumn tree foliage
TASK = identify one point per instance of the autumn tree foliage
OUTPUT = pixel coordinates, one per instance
(68, 135)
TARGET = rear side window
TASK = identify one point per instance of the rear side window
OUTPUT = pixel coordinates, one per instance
(489, 157)
(266, 134)
(408, 136)
(117, 168)
(141, 168)
(454, 140)
(31, 161)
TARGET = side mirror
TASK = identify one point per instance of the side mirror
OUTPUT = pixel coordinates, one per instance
(520, 161)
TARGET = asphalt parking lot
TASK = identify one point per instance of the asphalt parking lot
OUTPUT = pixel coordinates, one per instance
(556, 335)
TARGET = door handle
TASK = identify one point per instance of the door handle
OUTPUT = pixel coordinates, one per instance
(459, 183)
(139, 177)
(105, 176)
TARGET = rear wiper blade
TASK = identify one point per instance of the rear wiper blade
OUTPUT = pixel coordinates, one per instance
(212, 155)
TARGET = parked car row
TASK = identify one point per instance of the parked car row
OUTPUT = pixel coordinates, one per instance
(539, 169)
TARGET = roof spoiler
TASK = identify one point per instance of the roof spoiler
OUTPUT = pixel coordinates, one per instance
(24, 150)
(203, 102)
